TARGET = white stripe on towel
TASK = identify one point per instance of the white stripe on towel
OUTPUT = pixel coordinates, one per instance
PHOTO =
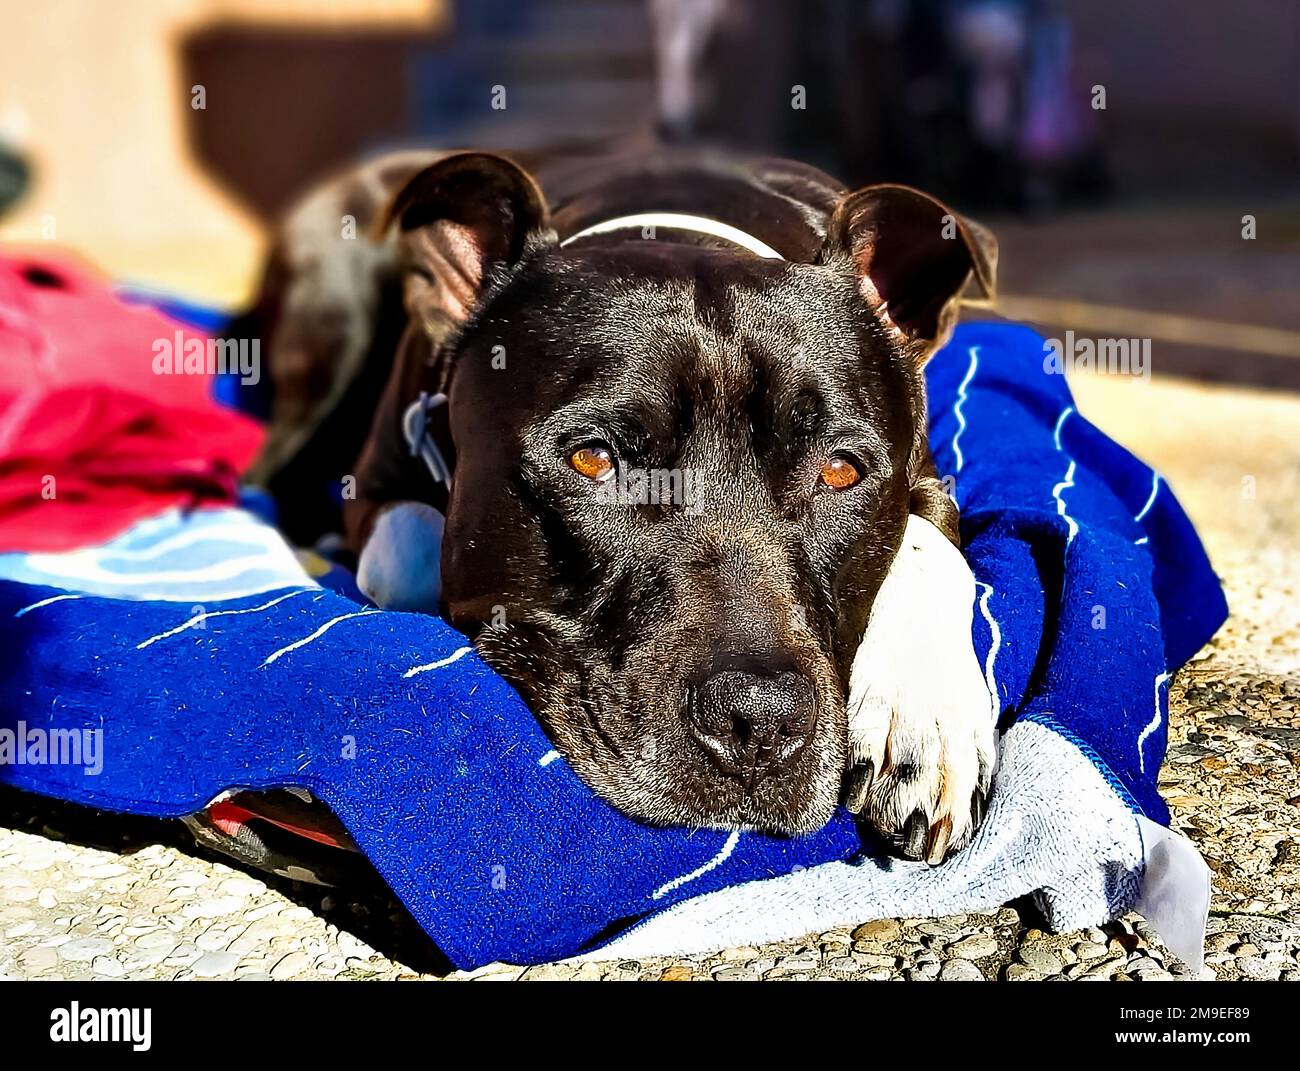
(956, 408)
(442, 663)
(1068, 482)
(995, 645)
(730, 846)
(201, 617)
(1151, 498)
(1152, 725)
(317, 634)
(1151, 501)
(44, 602)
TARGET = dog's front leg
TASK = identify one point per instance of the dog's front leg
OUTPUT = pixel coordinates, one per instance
(921, 721)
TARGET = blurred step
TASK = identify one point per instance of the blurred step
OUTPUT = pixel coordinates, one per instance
(575, 20)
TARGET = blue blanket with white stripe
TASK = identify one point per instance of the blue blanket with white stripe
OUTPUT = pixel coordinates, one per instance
(193, 654)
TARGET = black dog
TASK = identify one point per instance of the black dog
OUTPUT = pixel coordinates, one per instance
(686, 420)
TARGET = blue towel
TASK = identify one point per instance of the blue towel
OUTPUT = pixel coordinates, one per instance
(206, 659)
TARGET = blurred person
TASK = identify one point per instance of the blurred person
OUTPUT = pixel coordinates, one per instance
(971, 98)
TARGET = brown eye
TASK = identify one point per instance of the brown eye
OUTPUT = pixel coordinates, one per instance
(839, 474)
(593, 461)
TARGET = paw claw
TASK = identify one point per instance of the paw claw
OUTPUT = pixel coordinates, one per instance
(857, 785)
(914, 838)
(939, 842)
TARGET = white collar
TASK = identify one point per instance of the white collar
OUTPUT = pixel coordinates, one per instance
(681, 222)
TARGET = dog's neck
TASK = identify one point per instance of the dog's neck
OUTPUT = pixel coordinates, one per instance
(650, 223)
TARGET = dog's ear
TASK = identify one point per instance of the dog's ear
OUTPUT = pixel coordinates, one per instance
(456, 220)
(913, 258)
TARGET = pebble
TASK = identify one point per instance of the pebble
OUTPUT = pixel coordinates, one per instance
(1256, 968)
(156, 939)
(976, 946)
(183, 955)
(960, 970)
(103, 870)
(290, 965)
(85, 949)
(353, 946)
(1039, 960)
(215, 939)
(869, 959)
(214, 964)
(735, 974)
(38, 959)
(108, 967)
(213, 908)
(146, 957)
(878, 930)
(544, 972)
(809, 961)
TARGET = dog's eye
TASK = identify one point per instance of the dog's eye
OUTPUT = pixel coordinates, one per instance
(594, 461)
(839, 474)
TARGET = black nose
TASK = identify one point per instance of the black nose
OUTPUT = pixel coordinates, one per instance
(751, 724)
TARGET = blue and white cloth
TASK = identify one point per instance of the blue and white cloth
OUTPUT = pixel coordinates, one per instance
(207, 660)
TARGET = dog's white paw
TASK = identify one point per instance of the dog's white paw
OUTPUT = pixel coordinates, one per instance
(922, 732)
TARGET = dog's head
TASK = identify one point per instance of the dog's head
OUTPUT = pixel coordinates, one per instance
(681, 477)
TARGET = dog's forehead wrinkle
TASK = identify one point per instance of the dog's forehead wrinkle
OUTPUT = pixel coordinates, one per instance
(641, 302)
(734, 357)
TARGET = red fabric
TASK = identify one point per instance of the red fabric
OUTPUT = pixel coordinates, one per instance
(91, 438)
(230, 818)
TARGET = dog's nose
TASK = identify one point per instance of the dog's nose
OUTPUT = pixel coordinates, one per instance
(751, 724)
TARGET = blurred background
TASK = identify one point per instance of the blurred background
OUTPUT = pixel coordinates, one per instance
(1115, 147)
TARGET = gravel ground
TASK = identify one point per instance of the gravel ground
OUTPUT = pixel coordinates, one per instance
(85, 896)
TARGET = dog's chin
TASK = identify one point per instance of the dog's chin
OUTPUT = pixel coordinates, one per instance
(730, 810)
(754, 817)
(789, 804)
